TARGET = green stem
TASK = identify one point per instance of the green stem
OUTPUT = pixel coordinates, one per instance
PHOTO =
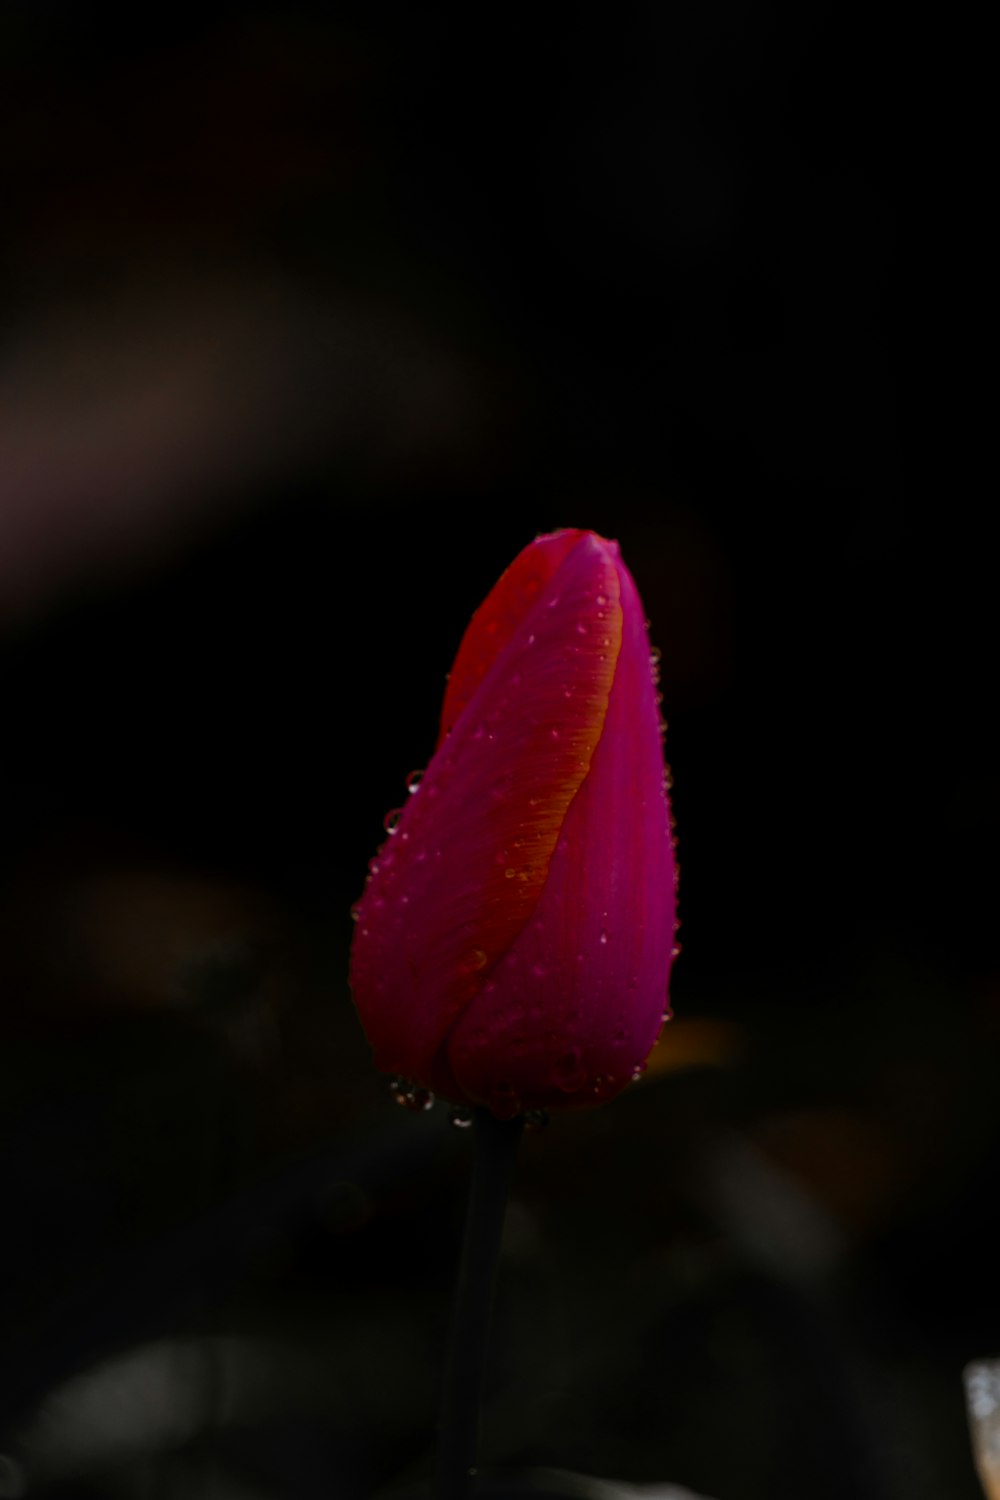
(496, 1148)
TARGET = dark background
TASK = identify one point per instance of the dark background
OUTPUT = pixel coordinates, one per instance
(310, 318)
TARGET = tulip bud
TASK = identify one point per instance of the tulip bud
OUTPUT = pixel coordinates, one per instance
(514, 940)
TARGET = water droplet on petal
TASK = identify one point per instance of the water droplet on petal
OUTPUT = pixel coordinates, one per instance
(413, 781)
(391, 820)
(603, 938)
(461, 1118)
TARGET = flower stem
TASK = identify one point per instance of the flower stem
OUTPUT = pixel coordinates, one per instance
(496, 1148)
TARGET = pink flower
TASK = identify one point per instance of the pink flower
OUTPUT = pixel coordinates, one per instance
(514, 940)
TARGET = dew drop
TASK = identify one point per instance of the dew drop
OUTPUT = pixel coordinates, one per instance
(413, 782)
(637, 1072)
(391, 820)
(460, 1118)
(581, 628)
(603, 938)
(568, 1073)
(601, 599)
(411, 1095)
(509, 873)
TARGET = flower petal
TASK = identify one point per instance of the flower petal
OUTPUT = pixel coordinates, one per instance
(572, 1010)
(460, 877)
(499, 616)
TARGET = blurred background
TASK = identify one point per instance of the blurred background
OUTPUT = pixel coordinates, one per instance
(311, 316)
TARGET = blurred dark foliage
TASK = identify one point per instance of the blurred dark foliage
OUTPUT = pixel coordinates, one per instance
(310, 318)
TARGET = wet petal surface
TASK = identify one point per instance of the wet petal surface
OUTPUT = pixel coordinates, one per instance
(571, 1011)
(459, 879)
